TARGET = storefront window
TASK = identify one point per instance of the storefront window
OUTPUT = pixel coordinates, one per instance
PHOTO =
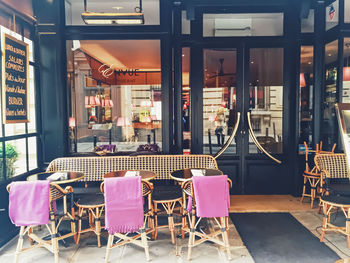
(147, 11)
(231, 25)
(116, 95)
(306, 91)
(329, 129)
(346, 72)
(18, 150)
(332, 15)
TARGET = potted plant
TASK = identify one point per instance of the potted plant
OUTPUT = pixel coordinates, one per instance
(11, 158)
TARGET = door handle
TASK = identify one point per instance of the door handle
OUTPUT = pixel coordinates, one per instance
(230, 139)
(252, 135)
(2, 209)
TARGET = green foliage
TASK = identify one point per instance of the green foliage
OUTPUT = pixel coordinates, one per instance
(11, 158)
(10, 151)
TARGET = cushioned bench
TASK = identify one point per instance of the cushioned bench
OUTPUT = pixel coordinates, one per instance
(95, 167)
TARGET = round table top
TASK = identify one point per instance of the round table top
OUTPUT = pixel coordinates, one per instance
(61, 177)
(145, 175)
(186, 174)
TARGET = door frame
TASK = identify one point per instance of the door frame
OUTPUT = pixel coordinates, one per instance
(290, 41)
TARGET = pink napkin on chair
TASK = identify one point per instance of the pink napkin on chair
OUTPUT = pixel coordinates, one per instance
(123, 204)
(212, 195)
(29, 203)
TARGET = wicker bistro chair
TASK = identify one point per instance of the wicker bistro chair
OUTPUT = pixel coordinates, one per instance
(56, 194)
(147, 189)
(334, 173)
(93, 205)
(312, 176)
(222, 222)
(333, 169)
(168, 197)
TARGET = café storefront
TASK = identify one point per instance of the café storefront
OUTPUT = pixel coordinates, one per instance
(182, 80)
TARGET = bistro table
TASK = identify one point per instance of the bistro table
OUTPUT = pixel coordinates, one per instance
(145, 175)
(186, 174)
(61, 177)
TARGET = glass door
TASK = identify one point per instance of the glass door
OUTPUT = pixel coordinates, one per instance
(243, 115)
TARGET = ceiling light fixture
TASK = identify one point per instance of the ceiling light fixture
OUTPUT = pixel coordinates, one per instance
(101, 18)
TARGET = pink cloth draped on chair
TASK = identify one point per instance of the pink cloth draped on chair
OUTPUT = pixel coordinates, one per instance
(212, 195)
(29, 203)
(123, 204)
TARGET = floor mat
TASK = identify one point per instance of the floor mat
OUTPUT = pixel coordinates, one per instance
(279, 237)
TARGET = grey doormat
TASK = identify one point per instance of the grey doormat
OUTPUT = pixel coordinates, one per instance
(280, 238)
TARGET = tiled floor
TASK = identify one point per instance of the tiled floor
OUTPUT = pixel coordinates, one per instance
(162, 250)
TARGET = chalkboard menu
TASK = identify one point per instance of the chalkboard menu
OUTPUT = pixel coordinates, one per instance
(15, 80)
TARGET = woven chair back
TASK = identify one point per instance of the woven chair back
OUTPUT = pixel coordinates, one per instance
(332, 165)
(163, 165)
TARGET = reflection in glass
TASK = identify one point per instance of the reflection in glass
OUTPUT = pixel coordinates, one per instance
(219, 99)
(329, 131)
(186, 106)
(306, 89)
(186, 24)
(307, 24)
(116, 94)
(266, 98)
(229, 25)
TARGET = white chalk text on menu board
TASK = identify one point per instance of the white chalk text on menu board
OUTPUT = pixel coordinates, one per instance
(15, 66)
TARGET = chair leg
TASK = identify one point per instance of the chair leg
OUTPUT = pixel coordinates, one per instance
(19, 243)
(313, 194)
(183, 212)
(80, 213)
(73, 225)
(324, 222)
(30, 231)
(304, 190)
(98, 228)
(109, 247)
(54, 239)
(225, 237)
(347, 228)
(170, 221)
(145, 244)
(155, 232)
(192, 235)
